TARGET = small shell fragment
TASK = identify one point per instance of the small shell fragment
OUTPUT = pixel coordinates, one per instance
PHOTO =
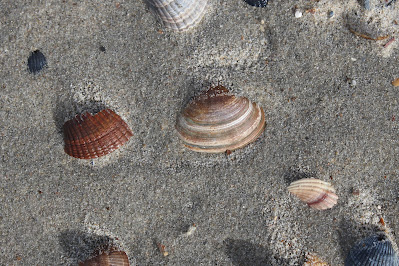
(112, 258)
(374, 250)
(88, 137)
(395, 82)
(257, 3)
(316, 193)
(179, 15)
(313, 260)
(36, 61)
(217, 121)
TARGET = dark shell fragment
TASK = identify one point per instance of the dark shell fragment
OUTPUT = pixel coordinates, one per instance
(36, 61)
(375, 250)
(257, 3)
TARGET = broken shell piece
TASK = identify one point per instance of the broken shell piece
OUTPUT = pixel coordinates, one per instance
(217, 121)
(313, 260)
(367, 27)
(87, 136)
(373, 250)
(395, 82)
(316, 193)
(112, 258)
(179, 15)
(36, 61)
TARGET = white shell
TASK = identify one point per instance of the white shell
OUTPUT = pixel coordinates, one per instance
(179, 15)
(316, 193)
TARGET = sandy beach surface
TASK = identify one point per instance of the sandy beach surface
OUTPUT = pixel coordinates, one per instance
(331, 113)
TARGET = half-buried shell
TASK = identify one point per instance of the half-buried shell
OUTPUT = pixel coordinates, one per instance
(257, 3)
(217, 121)
(316, 193)
(179, 15)
(111, 258)
(375, 250)
(87, 136)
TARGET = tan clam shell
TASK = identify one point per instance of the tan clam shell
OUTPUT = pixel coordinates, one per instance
(179, 15)
(217, 121)
(316, 193)
(112, 258)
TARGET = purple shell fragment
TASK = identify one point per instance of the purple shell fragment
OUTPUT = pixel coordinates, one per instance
(36, 61)
(257, 3)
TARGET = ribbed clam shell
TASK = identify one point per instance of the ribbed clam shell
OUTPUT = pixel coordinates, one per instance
(316, 193)
(113, 258)
(87, 136)
(217, 121)
(375, 250)
(179, 15)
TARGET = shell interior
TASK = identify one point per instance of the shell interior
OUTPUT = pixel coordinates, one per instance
(217, 121)
(316, 193)
(372, 251)
(179, 15)
(87, 136)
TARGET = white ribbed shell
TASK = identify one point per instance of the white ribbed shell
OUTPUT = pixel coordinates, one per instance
(179, 15)
(316, 193)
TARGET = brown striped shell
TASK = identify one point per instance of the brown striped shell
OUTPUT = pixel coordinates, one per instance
(90, 136)
(316, 193)
(112, 258)
(179, 15)
(217, 121)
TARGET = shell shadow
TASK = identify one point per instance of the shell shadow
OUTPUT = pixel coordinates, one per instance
(66, 109)
(294, 174)
(80, 245)
(350, 233)
(242, 252)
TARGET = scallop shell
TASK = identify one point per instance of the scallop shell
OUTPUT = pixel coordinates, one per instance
(373, 251)
(317, 194)
(87, 136)
(36, 61)
(257, 3)
(113, 258)
(179, 15)
(217, 121)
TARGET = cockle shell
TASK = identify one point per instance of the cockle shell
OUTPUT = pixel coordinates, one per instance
(179, 15)
(112, 258)
(375, 250)
(316, 193)
(217, 121)
(87, 136)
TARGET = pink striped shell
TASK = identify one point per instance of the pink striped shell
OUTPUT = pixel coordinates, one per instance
(316, 193)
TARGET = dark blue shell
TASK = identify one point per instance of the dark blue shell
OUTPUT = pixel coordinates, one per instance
(374, 250)
(258, 3)
(36, 61)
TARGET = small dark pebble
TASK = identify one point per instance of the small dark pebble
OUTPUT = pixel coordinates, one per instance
(257, 3)
(102, 48)
(330, 14)
(36, 62)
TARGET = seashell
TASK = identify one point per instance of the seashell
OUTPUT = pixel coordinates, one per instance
(316, 193)
(112, 258)
(373, 251)
(395, 82)
(313, 260)
(217, 121)
(36, 61)
(87, 136)
(257, 3)
(179, 15)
